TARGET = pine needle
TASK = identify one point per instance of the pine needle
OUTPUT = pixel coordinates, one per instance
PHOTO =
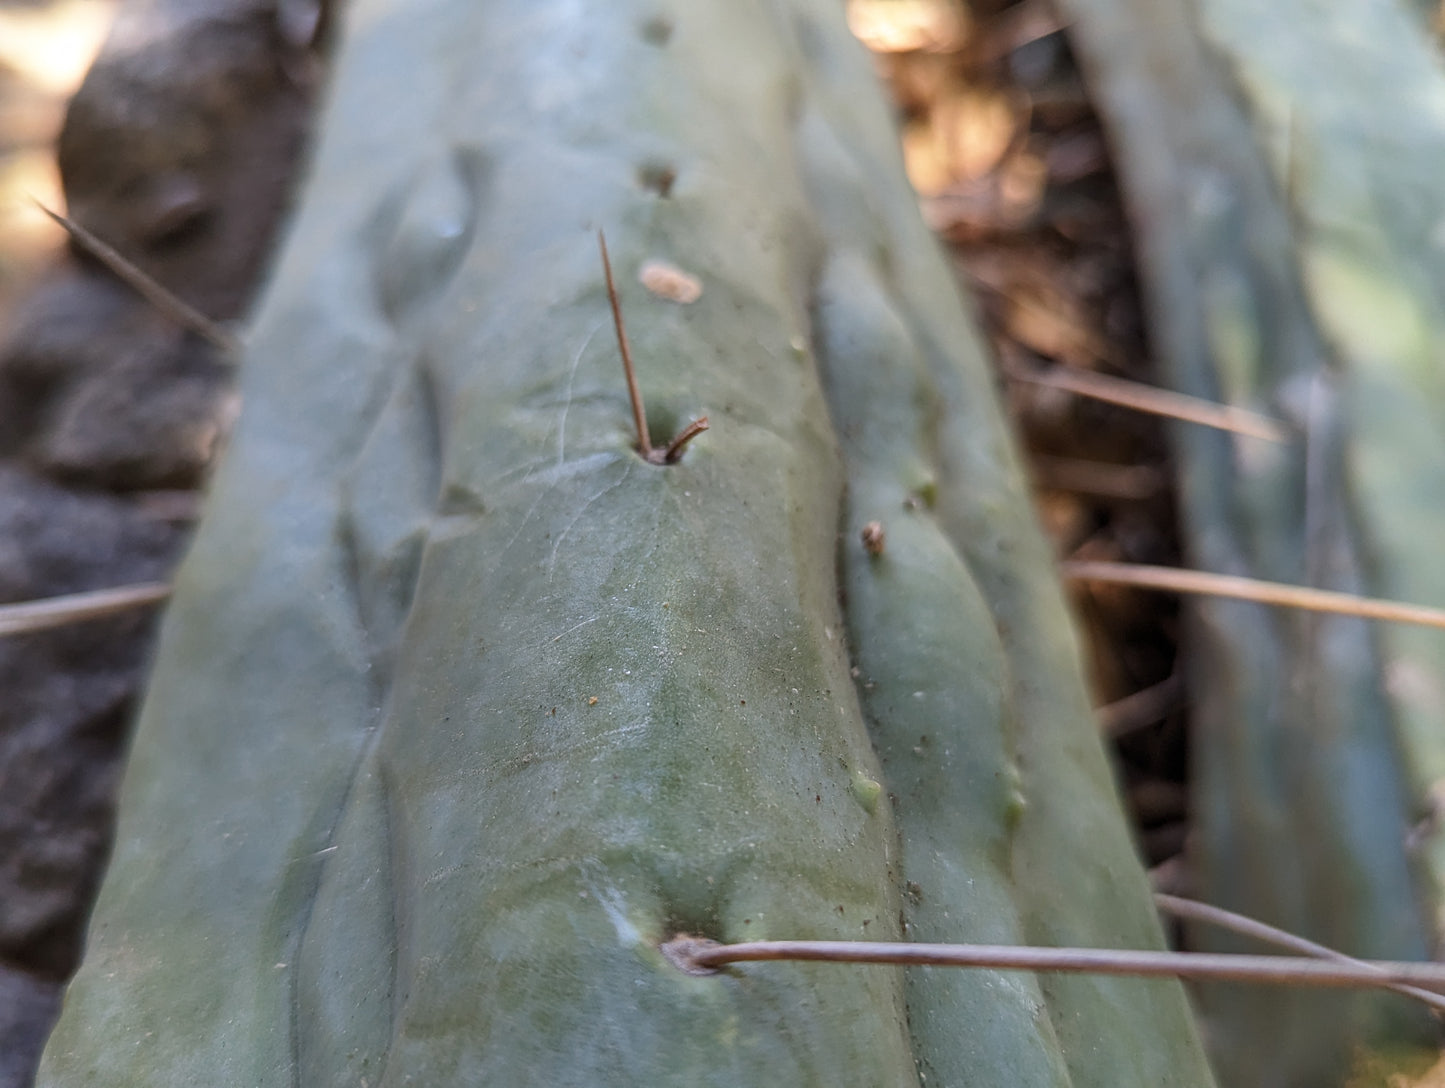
(1203, 584)
(1158, 402)
(700, 956)
(1195, 911)
(1142, 708)
(163, 299)
(41, 615)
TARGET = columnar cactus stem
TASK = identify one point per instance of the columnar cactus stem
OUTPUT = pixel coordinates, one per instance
(462, 711)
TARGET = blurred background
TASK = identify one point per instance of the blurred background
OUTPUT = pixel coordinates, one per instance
(1283, 768)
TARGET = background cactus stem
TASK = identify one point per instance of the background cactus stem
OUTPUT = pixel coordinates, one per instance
(653, 455)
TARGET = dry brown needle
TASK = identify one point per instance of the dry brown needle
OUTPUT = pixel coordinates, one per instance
(27, 616)
(1159, 402)
(164, 300)
(653, 455)
(1204, 584)
(1195, 911)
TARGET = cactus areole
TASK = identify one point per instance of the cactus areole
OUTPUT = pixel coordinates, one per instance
(463, 708)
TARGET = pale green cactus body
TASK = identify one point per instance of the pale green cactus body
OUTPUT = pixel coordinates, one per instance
(462, 708)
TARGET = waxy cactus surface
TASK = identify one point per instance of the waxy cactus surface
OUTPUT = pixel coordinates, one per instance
(463, 708)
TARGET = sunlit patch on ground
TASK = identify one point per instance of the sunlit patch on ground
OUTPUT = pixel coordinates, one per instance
(905, 26)
(45, 49)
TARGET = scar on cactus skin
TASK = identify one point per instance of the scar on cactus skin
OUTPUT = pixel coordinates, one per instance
(653, 455)
(874, 539)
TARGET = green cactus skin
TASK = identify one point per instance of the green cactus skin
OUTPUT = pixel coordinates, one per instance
(943, 733)
(376, 830)
(929, 436)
